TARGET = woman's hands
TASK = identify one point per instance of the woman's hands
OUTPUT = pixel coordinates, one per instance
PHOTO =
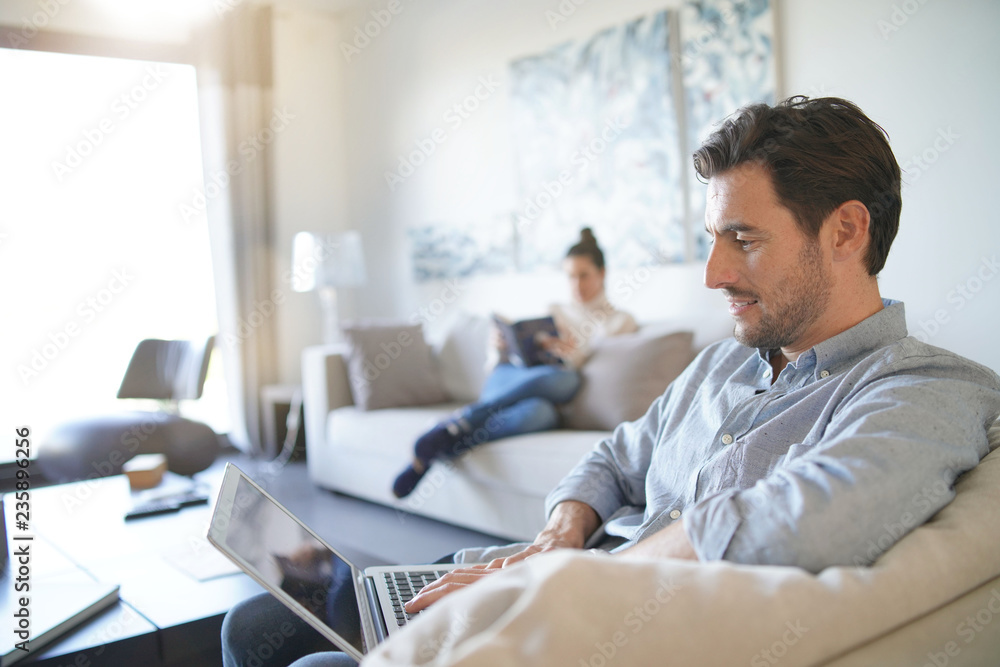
(562, 347)
(498, 341)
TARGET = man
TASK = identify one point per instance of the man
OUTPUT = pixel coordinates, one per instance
(821, 421)
(795, 443)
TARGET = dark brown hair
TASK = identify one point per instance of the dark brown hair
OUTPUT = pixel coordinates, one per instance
(820, 153)
(587, 247)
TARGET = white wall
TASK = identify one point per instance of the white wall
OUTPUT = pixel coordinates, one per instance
(937, 72)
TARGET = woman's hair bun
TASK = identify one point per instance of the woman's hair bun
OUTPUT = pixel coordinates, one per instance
(587, 247)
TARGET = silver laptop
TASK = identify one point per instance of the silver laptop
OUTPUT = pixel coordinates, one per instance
(353, 609)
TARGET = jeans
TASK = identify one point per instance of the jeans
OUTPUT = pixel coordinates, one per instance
(518, 400)
(262, 632)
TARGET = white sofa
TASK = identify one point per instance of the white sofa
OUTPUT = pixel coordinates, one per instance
(498, 489)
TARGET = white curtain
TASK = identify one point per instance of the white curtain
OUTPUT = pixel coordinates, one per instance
(235, 92)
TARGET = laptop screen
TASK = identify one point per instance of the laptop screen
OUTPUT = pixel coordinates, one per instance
(286, 555)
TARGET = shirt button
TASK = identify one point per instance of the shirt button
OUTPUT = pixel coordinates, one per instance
(727, 439)
(824, 373)
(767, 373)
(675, 514)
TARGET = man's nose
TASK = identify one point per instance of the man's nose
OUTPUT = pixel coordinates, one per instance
(719, 271)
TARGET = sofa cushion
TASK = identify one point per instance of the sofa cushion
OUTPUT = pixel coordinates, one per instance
(391, 365)
(462, 357)
(530, 464)
(624, 375)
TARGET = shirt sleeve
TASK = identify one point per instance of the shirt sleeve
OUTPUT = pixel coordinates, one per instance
(887, 463)
(613, 474)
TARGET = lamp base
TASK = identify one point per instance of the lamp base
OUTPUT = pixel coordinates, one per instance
(331, 322)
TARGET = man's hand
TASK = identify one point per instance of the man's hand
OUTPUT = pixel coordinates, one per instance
(459, 578)
(569, 526)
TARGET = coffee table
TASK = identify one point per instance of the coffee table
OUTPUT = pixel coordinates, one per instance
(165, 617)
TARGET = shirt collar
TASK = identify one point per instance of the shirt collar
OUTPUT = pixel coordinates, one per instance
(848, 347)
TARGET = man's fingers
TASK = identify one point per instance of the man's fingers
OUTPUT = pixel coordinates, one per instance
(449, 583)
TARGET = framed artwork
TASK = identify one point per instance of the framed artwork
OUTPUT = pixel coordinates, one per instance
(603, 130)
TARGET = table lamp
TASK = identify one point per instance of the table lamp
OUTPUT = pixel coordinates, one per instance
(323, 262)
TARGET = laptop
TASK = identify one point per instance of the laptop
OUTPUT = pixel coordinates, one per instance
(352, 608)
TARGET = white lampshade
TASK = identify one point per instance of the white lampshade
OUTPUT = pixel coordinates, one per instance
(327, 259)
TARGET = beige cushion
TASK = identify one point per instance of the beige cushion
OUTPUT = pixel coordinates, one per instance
(391, 366)
(568, 607)
(624, 375)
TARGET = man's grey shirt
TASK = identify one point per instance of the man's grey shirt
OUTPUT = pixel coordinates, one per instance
(854, 444)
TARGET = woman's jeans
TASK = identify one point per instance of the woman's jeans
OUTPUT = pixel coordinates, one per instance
(517, 400)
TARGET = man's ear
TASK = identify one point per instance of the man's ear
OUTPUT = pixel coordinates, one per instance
(849, 230)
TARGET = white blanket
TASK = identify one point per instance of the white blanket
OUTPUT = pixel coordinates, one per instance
(573, 608)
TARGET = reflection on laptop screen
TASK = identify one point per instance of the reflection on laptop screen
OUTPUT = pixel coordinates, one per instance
(287, 556)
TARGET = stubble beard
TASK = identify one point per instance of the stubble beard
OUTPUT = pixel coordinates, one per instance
(807, 296)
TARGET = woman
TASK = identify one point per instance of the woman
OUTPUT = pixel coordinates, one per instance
(517, 400)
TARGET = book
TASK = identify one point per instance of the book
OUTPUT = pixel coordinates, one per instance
(56, 605)
(523, 339)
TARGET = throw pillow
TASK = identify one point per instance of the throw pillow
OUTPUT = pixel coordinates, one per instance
(462, 357)
(391, 366)
(624, 375)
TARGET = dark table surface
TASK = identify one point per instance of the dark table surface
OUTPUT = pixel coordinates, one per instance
(166, 615)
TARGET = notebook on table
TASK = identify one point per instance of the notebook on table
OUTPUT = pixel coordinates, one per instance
(355, 609)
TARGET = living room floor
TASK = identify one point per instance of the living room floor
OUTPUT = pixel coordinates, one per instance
(356, 527)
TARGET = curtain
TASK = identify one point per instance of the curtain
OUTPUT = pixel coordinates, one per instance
(238, 120)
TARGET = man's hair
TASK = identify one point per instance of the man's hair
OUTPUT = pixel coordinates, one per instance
(819, 153)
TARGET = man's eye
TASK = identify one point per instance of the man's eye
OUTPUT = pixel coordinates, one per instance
(744, 243)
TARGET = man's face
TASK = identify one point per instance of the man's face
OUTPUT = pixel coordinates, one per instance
(774, 278)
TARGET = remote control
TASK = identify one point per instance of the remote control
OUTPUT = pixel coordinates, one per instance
(166, 505)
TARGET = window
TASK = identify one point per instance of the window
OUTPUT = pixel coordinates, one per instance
(98, 156)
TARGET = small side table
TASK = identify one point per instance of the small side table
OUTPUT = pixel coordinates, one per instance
(276, 402)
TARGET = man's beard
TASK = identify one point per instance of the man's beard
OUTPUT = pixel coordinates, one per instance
(806, 297)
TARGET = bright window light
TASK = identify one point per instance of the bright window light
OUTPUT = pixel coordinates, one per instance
(98, 153)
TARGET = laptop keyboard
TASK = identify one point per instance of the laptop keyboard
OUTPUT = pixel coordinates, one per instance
(403, 587)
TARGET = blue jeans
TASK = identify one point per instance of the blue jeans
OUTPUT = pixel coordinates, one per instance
(518, 400)
(262, 632)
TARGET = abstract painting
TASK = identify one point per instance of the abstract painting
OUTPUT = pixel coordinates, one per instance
(603, 131)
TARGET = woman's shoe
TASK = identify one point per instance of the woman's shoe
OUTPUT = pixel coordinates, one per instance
(407, 481)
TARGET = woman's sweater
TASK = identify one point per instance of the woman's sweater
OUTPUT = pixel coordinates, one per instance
(587, 323)
(584, 324)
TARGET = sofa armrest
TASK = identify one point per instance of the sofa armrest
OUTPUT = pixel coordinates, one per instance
(325, 387)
